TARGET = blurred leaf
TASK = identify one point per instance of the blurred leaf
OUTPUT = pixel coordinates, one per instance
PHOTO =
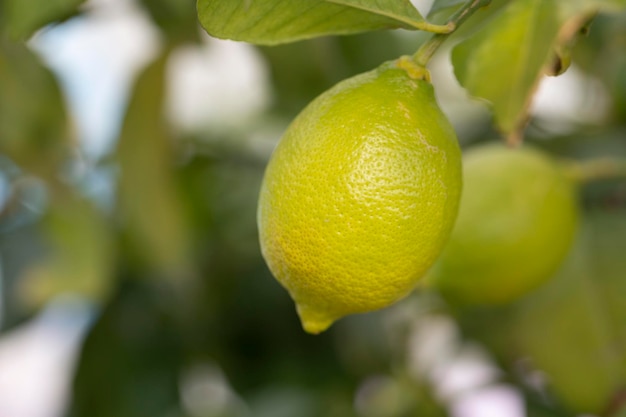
(570, 331)
(577, 17)
(617, 85)
(234, 196)
(80, 260)
(567, 9)
(20, 248)
(300, 71)
(503, 62)
(535, 409)
(620, 413)
(130, 361)
(573, 8)
(365, 51)
(271, 22)
(607, 270)
(383, 396)
(364, 347)
(573, 329)
(601, 55)
(149, 201)
(33, 124)
(571, 32)
(177, 18)
(23, 197)
(21, 18)
(285, 402)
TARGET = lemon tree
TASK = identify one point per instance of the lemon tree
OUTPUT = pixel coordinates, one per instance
(509, 255)
(360, 194)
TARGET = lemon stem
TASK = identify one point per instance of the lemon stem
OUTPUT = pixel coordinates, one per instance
(596, 169)
(428, 48)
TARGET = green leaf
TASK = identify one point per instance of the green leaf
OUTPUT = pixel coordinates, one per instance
(272, 22)
(80, 257)
(131, 361)
(21, 18)
(34, 128)
(572, 330)
(400, 10)
(149, 201)
(504, 61)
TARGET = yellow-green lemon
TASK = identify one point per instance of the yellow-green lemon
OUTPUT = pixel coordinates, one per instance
(360, 195)
(516, 223)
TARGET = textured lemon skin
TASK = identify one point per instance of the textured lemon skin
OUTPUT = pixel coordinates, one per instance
(517, 220)
(359, 196)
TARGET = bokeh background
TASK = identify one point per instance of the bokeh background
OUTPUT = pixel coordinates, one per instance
(132, 148)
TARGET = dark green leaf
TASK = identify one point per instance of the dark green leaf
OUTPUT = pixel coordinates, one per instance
(130, 361)
(277, 21)
(504, 61)
(573, 329)
(177, 18)
(149, 202)
(21, 18)
(34, 129)
(304, 70)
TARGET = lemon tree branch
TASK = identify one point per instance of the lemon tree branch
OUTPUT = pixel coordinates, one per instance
(428, 49)
(596, 169)
(433, 28)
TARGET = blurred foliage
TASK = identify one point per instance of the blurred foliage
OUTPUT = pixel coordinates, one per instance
(158, 236)
(570, 331)
(301, 71)
(135, 351)
(190, 321)
(33, 122)
(20, 19)
(176, 18)
(80, 254)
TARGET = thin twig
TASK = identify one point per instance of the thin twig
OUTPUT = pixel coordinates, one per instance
(427, 50)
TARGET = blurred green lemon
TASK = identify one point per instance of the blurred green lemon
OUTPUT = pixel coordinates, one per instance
(516, 223)
(360, 195)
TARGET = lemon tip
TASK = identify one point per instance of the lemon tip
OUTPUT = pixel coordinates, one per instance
(313, 321)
